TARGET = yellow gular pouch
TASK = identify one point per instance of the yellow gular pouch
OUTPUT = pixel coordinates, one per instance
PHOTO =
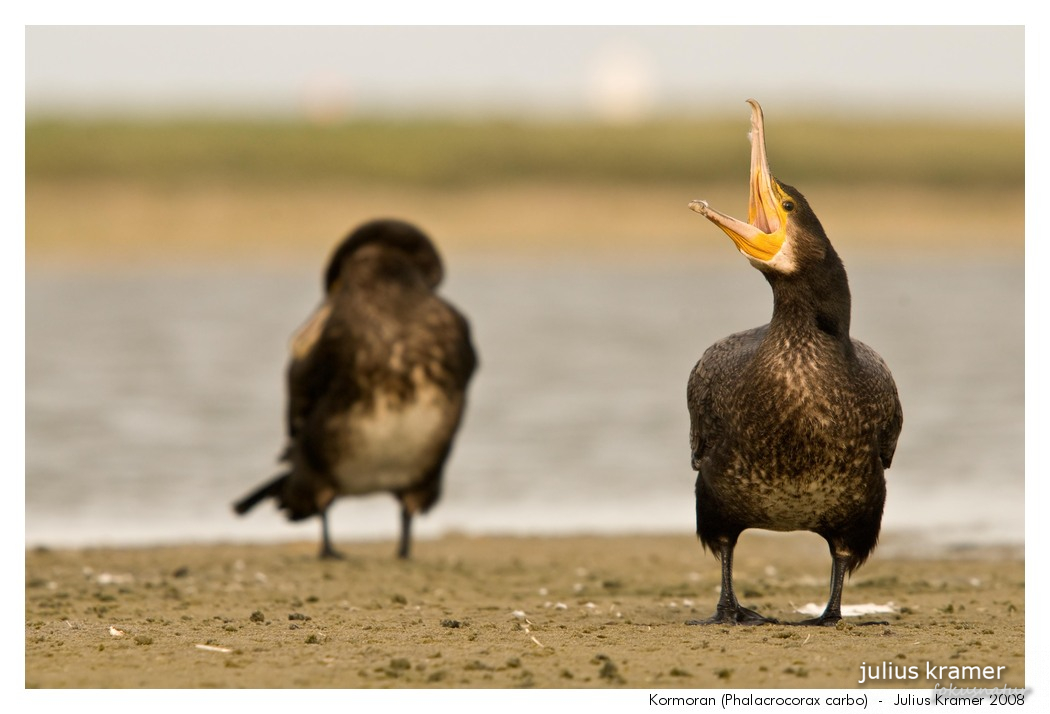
(764, 235)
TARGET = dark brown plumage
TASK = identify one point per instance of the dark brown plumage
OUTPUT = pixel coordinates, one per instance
(792, 424)
(376, 382)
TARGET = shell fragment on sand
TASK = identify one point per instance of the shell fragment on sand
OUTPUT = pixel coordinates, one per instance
(869, 608)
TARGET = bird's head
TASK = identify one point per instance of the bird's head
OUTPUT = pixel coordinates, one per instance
(781, 230)
(395, 244)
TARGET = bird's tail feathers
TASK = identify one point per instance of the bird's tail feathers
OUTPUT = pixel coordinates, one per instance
(270, 489)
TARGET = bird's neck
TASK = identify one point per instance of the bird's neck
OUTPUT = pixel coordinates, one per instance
(812, 303)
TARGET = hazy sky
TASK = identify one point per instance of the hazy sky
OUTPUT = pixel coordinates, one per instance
(616, 72)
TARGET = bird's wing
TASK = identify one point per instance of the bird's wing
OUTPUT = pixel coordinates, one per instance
(720, 367)
(465, 356)
(878, 381)
(437, 337)
(318, 354)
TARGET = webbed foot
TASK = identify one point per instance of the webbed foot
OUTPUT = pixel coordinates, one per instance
(735, 616)
(330, 553)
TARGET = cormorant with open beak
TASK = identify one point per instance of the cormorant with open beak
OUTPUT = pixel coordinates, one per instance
(376, 383)
(793, 423)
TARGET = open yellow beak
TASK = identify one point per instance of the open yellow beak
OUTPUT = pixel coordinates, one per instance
(763, 234)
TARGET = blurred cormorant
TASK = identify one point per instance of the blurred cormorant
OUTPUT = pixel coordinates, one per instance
(376, 382)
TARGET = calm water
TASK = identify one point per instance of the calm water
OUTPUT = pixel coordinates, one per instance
(154, 399)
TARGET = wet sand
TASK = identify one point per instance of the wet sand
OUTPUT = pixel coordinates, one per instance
(492, 612)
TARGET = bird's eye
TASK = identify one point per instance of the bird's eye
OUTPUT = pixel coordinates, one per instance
(788, 205)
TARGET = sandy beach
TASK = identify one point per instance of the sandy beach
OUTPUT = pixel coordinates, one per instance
(118, 224)
(492, 612)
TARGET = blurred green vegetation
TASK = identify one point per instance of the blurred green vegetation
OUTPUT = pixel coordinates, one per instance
(469, 155)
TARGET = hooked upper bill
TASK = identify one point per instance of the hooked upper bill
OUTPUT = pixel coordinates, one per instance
(763, 235)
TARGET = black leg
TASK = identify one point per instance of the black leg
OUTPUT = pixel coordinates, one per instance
(729, 610)
(406, 534)
(327, 551)
(833, 612)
